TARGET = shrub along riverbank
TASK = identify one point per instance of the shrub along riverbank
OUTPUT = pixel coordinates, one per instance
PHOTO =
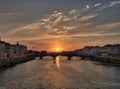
(12, 62)
(108, 61)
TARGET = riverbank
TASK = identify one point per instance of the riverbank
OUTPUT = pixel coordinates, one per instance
(108, 61)
(12, 62)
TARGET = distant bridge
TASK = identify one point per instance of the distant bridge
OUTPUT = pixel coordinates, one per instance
(68, 54)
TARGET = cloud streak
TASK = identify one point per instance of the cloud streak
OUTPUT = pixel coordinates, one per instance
(97, 4)
(37, 43)
(106, 5)
(10, 15)
(65, 25)
(52, 24)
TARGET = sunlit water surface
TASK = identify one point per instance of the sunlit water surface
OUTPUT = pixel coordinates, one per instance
(64, 74)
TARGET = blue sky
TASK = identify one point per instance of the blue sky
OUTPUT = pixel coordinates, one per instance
(67, 24)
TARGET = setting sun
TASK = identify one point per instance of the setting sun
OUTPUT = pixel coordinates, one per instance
(57, 49)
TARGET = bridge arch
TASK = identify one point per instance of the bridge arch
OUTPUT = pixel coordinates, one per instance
(55, 56)
(69, 55)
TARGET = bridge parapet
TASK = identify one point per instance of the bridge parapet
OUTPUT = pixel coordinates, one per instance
(54, 55)
(67, 54)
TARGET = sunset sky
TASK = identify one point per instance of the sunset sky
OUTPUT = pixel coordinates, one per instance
(60, 24)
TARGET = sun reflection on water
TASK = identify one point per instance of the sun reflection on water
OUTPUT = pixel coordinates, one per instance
(58, 62)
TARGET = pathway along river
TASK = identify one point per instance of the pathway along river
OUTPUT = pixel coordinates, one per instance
(64, 74)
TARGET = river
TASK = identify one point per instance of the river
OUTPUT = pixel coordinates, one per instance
(64, 74)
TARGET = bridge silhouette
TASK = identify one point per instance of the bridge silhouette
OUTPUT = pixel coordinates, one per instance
(68, 54)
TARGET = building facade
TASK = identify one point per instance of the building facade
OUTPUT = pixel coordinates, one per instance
(107, 51)
(2, 50)
(9, 51)
(111, 51)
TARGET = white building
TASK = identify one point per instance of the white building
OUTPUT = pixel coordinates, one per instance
(111, 51)
(20, 50)
(9, 51)
(90, 50)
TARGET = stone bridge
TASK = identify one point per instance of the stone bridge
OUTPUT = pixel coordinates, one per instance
(67, 54)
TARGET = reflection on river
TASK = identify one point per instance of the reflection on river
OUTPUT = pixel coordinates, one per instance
(64, 74)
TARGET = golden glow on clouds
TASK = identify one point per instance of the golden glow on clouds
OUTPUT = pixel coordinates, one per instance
(58, 48)
(70, 28)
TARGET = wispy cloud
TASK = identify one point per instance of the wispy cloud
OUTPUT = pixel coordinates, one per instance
(87, 6)
(114, 3)
(106, 5)
(53, 24)
(10, 15)
(97, 4)
(59, 23)
(87, 17)
(36, 43)
(108, 26)
(8, 25)
(72, 12)
(66, 25)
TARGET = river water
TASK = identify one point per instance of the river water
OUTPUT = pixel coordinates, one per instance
(64, 74)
